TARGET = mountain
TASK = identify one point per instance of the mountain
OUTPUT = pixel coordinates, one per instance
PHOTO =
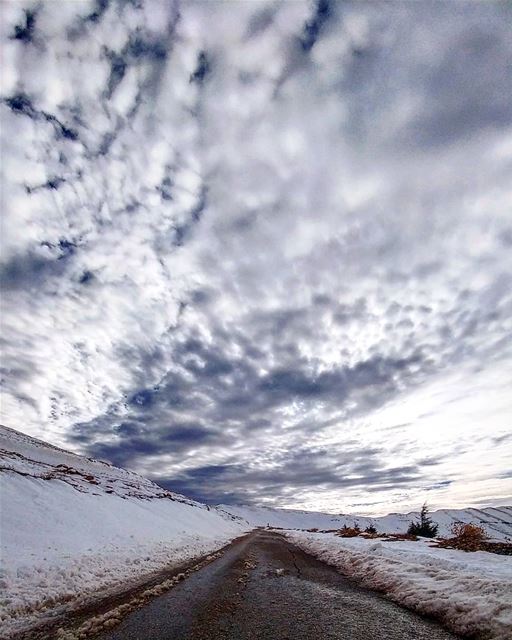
(497, 521)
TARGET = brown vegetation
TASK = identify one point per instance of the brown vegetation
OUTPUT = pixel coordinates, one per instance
(466, 537)
(348, 532)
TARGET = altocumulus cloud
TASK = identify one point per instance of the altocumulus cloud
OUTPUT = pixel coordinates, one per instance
(261, 252)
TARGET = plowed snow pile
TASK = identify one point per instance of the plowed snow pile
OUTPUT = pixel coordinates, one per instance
(72, 526)
(471, 593)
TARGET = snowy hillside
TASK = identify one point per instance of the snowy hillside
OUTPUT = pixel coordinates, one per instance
(29, 457)
(497, 521)
(72, 526)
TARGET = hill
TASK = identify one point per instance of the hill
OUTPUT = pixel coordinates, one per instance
(72, 527)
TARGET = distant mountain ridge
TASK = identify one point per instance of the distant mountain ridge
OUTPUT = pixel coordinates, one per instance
(497, 521)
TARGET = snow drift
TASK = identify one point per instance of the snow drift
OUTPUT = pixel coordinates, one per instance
(72, 526)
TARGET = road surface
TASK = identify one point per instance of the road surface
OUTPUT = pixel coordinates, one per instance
(265, 588)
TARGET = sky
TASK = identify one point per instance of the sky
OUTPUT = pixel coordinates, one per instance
(261, 252)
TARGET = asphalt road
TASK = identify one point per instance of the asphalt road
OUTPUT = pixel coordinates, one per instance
(265, 588)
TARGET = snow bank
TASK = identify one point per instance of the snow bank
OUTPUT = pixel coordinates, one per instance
(71, 526)
(469, 592)
(497, 521)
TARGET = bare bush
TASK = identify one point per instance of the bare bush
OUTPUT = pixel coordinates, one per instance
(467, 537)
(349, 532)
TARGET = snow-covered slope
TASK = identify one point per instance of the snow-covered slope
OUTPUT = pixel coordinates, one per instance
(497, 521)
(71, 526)
(29, 457)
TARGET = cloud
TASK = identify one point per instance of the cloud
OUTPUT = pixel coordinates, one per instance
(295, 472)
(267, 261)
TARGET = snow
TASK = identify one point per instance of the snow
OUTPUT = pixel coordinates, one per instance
(497, 521)
(71, 527)
(471, 593)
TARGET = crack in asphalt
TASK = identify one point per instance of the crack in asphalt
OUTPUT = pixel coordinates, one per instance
(294, 562)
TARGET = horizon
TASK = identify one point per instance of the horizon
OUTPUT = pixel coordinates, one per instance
(431, 508)
(262, 252)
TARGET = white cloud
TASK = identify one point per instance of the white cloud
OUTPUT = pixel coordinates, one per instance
(338, 209)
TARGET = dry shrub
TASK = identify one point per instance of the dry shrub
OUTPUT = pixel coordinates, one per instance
(501, 548)
(348, 532)
(400, 536)
(466, 537)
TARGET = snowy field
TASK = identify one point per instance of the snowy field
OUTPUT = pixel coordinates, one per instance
(471, 593)
(72, 527)
(497, 521)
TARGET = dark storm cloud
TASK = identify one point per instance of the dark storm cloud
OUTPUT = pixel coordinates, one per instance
(135, 440)
(313, 27)
(118, 66)
(202, 69)
(298, 471)
(237, 400)
(21, 105)
(32, 270)
(100, 7)
(236, 382)
(237, 237)
(26, 30)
